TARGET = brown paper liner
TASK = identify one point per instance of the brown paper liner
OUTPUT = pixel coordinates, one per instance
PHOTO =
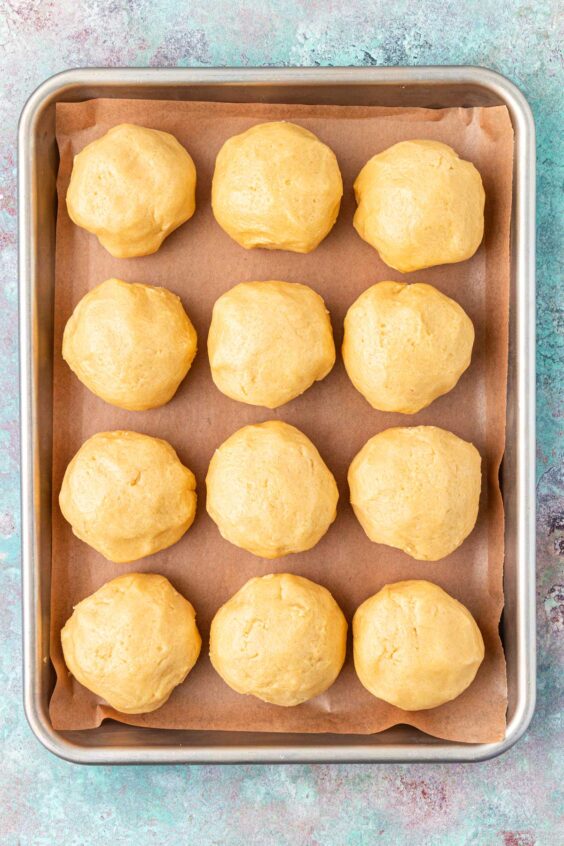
(199, 262)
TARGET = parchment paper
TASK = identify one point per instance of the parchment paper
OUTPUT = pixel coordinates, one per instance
(199, 262)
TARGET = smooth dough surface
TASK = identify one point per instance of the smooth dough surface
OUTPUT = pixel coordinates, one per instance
(276, 186)
(281, 638)
(269, 342)
(417, 489)
(420, 205)
(269, 491)
(130, 344)
(405, 345)
(127, 495)
(131, 188)
(132, 642)
(415, 646)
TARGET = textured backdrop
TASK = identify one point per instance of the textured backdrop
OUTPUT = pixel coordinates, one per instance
(516, 800)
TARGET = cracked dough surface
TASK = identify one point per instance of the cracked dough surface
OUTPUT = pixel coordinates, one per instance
(415, 646)
(132, 642)
(281, 638)
(127, 495)
(269, 491)
(130, 344)
(269, 342)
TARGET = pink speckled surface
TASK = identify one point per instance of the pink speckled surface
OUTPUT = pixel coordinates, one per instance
(516, 800)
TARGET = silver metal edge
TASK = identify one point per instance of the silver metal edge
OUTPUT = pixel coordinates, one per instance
(525, 276)
(30, 593)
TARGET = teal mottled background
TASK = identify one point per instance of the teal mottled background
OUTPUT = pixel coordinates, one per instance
(516, 800)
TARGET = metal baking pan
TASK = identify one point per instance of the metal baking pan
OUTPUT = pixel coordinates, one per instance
(433, 87)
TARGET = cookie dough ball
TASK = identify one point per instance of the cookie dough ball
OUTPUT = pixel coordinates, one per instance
(281, 638)
(417, 489)
(132, 188)
(415, 646)
(130, 344)
(132, 642)
(420, 205)
(276, 186)
(269, 491)
(127, 495)
(406, 345)
(269, 342)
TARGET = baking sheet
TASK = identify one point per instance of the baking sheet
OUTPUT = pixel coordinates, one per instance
(199, 262)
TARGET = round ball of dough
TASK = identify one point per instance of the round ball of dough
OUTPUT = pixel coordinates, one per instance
(132, 188)
(417, 489)
(415, 646)
(276, 186)
(420, 205)
(132, 642)
(406, 345)
(281, 638)
(269, 491)
(269, 341)
(130, 344)
(127, 495)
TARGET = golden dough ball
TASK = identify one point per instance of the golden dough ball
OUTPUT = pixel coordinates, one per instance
(417, 489)
(132, 642)
(420, 205)
(127, 495)
(269, 491)
(276, 186)
(269, 342)
(130, 344)
(406, 345)
(131, 188)
(415, 646)
(281, 638)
